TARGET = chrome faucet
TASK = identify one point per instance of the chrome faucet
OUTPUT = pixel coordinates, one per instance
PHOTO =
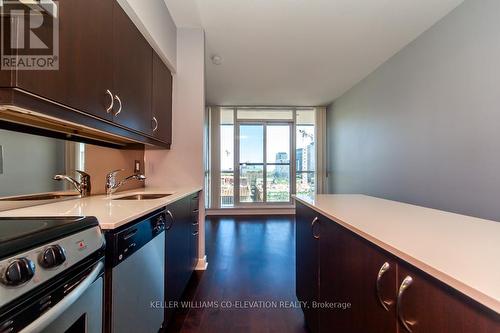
(112, 185)
(83, 186)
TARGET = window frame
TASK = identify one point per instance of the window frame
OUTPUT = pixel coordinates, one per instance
(237, 163)
(217, 199)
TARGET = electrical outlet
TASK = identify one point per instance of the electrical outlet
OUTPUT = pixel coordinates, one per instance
(137, 166)
(1, 160)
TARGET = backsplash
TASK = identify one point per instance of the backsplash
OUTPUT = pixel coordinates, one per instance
(100, 160)
(28, 163)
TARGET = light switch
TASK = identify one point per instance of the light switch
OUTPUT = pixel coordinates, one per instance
(137, 166)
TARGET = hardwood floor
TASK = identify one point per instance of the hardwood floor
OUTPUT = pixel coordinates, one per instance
(250, 259)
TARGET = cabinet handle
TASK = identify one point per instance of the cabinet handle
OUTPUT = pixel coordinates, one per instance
(169, 213)
(110, 107)
(196, 233)
(155, 127)
(408, 280)
(385, 267)
(312, 227)
(120, 107)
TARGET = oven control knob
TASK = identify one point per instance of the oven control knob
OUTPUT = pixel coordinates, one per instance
(52, 256)
(18, 272)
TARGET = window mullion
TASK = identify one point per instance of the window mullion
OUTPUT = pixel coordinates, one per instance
(264, 169)
(293, 162)
(236, 159)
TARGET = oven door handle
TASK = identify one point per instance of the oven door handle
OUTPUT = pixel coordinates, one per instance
(48, 317)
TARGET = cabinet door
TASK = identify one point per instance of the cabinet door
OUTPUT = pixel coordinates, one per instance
(132, 74)
(178, 258)
(428, 306)
(161, 114)
(85, 58)
(8, 28)
(357, 289)
(195, 228)
(187, 268)
(307, 264)
(174, 264)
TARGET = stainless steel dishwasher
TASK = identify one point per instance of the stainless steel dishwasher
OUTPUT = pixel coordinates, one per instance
(135, 275)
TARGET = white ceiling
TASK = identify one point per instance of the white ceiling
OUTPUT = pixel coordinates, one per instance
(300, 52)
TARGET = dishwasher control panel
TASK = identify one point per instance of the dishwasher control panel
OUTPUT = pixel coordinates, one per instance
(122, 243)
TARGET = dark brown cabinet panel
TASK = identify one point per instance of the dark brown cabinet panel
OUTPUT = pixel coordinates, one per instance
(178, 255)
(7, 76)
(195, 229)
(357, 287)
(307, 264)
(111, 88)
(132, 74)
(109, 81)
(85, 62)
(428, 306)
(386, 294)
(161, 113)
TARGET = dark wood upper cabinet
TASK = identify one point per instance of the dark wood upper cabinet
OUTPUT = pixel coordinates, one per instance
(85, 63)
(161, 113)
(111, 88)
(132, 74)
(7, 77)
(359, 279)
(307, 263)
(428, 306)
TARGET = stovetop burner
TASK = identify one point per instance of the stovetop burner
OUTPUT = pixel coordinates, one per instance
(21, 233)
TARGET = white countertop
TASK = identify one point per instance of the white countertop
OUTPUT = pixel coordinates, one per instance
(461, 251)
(110, 213)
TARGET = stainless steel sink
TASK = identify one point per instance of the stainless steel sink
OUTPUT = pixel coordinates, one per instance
(42, 196)
(147, 196)
(21, 201)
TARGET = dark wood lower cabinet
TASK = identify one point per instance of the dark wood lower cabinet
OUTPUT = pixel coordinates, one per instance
(357, 290)
(307, 265)
(428, 306)
(179, 245)
(356, 285)
(195, 230)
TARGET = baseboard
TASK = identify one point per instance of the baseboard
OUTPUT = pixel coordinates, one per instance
(250, 211)
(202, 264)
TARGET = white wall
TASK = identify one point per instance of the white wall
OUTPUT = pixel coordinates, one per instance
(423, 128)
(182, 165)
(154, 21)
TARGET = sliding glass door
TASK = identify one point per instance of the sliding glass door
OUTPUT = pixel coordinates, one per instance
(250, 163)
(262, 162)
(278, 142)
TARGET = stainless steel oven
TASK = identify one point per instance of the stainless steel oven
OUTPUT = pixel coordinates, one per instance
(79, 311)
(54, 287)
